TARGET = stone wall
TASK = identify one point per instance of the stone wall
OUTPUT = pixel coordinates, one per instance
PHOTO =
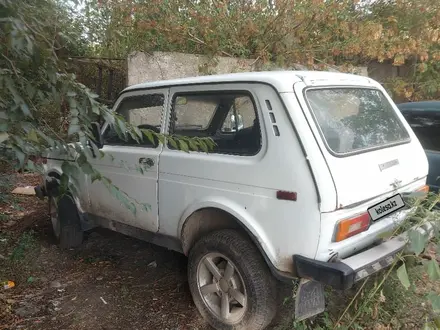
(143, 67)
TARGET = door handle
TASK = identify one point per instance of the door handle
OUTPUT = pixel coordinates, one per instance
(146, 161)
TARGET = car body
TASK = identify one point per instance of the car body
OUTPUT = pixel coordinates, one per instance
(424, 119)
(314, 152)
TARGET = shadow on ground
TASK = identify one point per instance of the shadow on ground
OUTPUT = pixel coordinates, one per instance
(111, 282)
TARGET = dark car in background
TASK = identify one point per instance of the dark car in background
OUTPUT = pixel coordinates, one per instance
(424, 118)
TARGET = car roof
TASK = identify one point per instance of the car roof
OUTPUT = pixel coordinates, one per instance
(282, 80)
(428, 106)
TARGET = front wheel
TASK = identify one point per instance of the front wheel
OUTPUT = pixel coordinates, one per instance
(65, 222)
(230, 282)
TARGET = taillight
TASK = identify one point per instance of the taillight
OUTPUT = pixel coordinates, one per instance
(424, 189)
(352, 226)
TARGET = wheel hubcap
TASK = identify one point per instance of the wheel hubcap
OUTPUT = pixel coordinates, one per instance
(222, 287)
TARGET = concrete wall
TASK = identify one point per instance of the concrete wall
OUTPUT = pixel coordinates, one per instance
(383, 71)
(143, 67)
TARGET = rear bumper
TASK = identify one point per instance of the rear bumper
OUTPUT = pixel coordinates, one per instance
(344, 273)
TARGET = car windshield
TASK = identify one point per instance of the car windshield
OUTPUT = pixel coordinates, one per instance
(355, 119)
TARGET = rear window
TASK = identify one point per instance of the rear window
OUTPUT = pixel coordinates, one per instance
(355, 119)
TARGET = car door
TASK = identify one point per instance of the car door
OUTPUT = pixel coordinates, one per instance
(131, 167)
(185, 178)
(426, 126)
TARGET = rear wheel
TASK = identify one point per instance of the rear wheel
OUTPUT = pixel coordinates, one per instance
(65, 221)
(230, 282)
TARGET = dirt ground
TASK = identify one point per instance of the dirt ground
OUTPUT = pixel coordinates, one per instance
(117, 282)
(111, 282)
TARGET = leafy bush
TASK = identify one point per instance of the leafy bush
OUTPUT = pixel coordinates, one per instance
(34, 83)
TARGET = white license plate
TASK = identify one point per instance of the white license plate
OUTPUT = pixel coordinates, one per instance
(386, 207)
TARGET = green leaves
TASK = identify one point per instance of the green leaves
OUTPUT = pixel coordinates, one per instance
(96, 176)
(417, 241)
(3, 126)
(173, 142)
(74, 126)
(32, 136)
(64, 182)
(20, 155)
(433, 270)
(25, 110)
(122, 127)
(193, 144)
(43, 106)
(183, 146)
(434, 299)
(85, 166)
(73, 173)
(402, 275)
(149, 135)
(203, 146)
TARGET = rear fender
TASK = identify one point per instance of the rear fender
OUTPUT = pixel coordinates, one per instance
(245, 219)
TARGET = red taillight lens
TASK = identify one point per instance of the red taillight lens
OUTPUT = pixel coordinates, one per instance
(352, 226)
(424, 189)
(286, 195)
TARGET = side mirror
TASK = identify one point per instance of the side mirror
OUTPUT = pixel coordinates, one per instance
(237, 125)
(240, 122)
(97, 138)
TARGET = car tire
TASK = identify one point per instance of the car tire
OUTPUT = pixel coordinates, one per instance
(230, 283)
(65, 222)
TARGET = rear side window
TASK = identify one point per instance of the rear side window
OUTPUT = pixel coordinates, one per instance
(355, 119)
(427, 129)
(229, 118)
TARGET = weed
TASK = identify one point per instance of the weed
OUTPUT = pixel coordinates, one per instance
(379, 303)
(16, 206)
(26, 243)
(125, 291)
(6, 181)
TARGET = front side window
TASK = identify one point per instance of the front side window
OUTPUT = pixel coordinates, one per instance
(426, 126)
(229, 118)
(193, 113)
(355, 119)
(144, 112)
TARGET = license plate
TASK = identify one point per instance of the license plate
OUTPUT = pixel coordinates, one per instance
(386, 207)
